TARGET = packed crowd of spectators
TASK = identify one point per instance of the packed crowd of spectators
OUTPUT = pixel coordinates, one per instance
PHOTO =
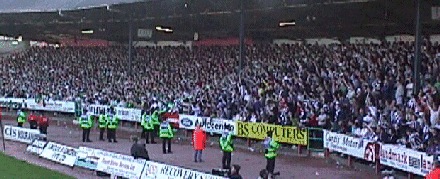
(363, 90)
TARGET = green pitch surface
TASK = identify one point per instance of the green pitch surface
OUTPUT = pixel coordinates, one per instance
(11, 168)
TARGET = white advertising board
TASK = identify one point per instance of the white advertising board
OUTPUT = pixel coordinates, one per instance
(124, 114)
(353, 146)
(20, 134)
(155, 170)
(87, 158)
(49, 105)
(60, 153)
(119, 165)
(406, 159)
(212, 125)
(36, 147)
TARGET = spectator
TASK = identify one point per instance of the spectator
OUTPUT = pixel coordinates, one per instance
(235, 172)
(328, 86)
(264, 174)
(138, 150)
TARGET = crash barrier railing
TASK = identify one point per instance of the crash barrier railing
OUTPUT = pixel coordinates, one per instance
(393, 156)
(315, 143)
(117, 165)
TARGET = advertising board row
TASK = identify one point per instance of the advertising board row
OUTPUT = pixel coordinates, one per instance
(112, 163)
(96, 159)
(128, 167)
(283, 134)
(394, 156)
(33, 104)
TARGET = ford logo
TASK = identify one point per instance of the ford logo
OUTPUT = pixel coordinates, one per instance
(186, 122)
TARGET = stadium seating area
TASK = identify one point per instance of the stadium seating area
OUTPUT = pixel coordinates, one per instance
(365, 90)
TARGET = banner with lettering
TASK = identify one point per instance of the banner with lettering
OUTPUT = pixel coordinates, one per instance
(155, 170)
(353, 146)
(87, 158)
(119, 165)
(8, 103)
(125, 114)
(59, 153)
(20, 134)
(211, 125)
(408, 160)
(283, 134)
(36, 147)
(40, 105)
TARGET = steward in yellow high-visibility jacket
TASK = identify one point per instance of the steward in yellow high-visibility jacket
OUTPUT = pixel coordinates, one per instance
(166, 134)
(86, 122)
(270, 152)
(112, 125)
(148, 128)
(21, 119)
(102, 124)
(227, 146)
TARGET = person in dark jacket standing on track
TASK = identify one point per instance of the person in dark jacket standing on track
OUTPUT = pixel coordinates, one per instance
(138, 150)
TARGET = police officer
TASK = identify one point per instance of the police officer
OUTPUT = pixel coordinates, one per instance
(166, 134)
(270, 152)
(156, 124)
(86, 122)
(148, 128)
(227, 146)
(112, 125)
(102, 124)
(21, 119)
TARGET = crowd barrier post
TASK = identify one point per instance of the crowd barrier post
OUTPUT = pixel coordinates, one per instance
(326, 153)
(410, 175)
(299, 149)
(248, 141)
(350, 161)
(378, 166)
(377, 157)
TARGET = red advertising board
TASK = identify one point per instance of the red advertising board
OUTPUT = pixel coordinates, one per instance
(173, 118)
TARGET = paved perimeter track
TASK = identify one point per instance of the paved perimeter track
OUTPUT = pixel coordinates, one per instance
(291, 167)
